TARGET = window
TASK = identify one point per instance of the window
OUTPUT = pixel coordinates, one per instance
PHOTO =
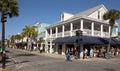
(98, 14)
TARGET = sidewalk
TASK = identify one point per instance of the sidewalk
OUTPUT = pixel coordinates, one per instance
(59, 56)
(10, 65)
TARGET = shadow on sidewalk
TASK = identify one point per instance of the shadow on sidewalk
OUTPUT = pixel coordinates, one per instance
(24, 55)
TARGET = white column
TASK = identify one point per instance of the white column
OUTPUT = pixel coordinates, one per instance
(81, 23)
(56, 49)
(101, 30)
(63, 29)
(110, 31)
(46, 42)
(56, 31)
(92, 28)
(116, 31)
(71, 29)
(50, 40)
(46, 34)
(63, 49)
(50, 46)
(51, 33)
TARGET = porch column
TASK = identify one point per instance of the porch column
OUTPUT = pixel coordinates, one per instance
(71, 29)
(51, 40)
(81, 23)
(50, 46)
(51, 33)
(63, 29)
(46, 41)
(116, 31)
(46, 34)
(63, 49)
(81, 51)
(92, 28)
(56, 49)
(109, 30)
(101, 30)
(56, 31)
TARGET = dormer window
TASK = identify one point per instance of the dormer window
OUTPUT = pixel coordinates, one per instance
(98, 14)
(62, 17)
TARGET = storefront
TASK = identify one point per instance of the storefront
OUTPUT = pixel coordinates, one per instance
(98, 45)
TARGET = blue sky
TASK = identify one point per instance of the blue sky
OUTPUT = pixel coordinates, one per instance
(49, 11)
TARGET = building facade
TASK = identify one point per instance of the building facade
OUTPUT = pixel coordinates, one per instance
(41, 32)
(61, 35)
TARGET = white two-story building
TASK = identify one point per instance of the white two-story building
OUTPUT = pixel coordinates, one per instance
(62, 35)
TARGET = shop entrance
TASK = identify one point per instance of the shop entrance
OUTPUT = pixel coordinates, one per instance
(60, 49)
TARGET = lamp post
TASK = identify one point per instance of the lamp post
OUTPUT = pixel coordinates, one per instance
(3, 20)
(79, 34)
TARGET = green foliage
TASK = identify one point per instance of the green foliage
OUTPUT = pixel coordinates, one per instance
(40, 40)
(10, 7)
(119, 33)
(112, 15)
(29, 31)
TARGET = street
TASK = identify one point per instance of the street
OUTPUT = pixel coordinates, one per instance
(33, 62)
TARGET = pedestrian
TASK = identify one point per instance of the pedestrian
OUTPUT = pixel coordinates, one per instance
(68, 57)
(112, 51)
(0, 50)
(85, 53)
(91, 53)
(41, 48)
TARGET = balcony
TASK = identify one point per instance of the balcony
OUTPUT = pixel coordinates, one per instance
(86, 32)
(97, 33)
(67, 33)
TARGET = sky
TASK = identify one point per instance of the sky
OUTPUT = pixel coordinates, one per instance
(49, 11)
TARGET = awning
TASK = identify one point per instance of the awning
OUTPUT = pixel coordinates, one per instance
(81, 39)
(86, 40)
(106, 41)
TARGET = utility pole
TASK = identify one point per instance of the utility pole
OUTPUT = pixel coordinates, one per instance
(79, 34)
(3, 20)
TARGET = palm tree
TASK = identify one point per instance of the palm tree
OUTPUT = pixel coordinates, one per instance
(29, 32)
(12, 39)
(111, 15)
(10, 8)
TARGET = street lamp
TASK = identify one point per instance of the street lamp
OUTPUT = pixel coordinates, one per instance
(79, 34)
(3, 20)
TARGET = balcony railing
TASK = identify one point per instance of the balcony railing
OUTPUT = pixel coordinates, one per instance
(59, 34)
(97, 33)
(67, 33)
(54, 35)
(86, 32)
(105, 34)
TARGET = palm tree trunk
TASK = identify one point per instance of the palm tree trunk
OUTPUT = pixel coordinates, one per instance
(109, 44)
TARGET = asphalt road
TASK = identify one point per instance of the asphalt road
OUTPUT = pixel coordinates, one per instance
(33, 62)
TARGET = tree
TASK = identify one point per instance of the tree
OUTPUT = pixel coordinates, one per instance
(111, 15)
(12, 39)
(7, 8)
(18, 37)
(40, 40)
(118, 33)
(29, 31)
